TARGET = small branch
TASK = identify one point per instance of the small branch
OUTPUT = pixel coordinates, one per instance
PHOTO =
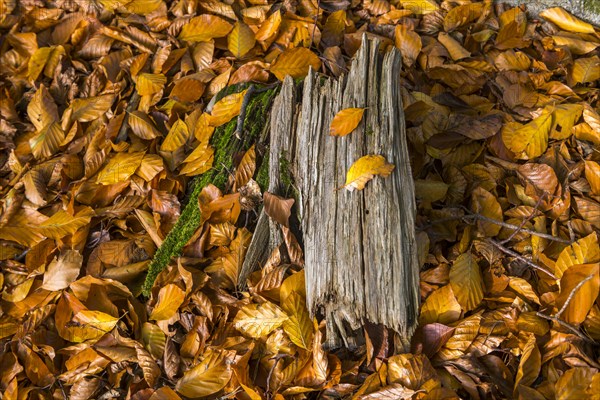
(496, 222)
(572, 294)
(568, 326)
(520, 258)
(242, 115)
(525, 220)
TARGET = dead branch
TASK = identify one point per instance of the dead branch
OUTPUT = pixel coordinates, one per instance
(520, 258)
(572, 294)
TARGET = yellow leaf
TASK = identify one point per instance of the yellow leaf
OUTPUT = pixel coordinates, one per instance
(204, 27)
(142, 7)
(365, 169)
(258, 320)
(413, 371)
(530, 364)
(293, 283)
(345, 121)
(199, 161)
(576, 46)
(170, 297)
(90, 108)
(208, 377)
(592, 174)
(19, 229)
(240, 40)
(178, 135)
(531, 140)
(62, 224)
(583, 251)
(268, 30)
(524, 288)
(149, 84)
(566, 21)
(154, 339)
(42, 110)
(227, 108)
(565, 117)
(484, 203)
(455, 49)
(585, 70)
(142, 125)
(462, 15)
(75, 323)
(579, 286)
(62, 270)
(245, 170)
(152, 165)
(295, 62)
(47, 141)
(466, 281)
(119, 168)
(409, 43)
(512, 61)
(37, 62)
(430, 190)
(251, 392)
(441, 306)
(203, 130)
(299, 326)
(573, 384)
(419, 6)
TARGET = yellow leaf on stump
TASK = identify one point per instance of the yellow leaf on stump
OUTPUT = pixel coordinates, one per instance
(365, 169)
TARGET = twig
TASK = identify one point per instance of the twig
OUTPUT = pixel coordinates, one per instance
(520, 258)
(525, 220)
(496, 222)
(572, 294)
(133, 103)
(242, 115)
(566, 325)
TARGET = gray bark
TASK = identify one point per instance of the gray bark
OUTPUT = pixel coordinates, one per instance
(359, 247)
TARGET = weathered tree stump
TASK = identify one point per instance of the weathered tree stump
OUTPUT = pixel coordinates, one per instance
(359, 247)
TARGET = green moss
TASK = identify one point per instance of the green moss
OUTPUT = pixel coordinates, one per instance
(226, 144)
(262, 176)
(286, 178)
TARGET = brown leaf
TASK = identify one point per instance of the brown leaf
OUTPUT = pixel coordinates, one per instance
(278, 208)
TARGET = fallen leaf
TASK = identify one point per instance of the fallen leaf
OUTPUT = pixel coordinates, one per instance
(364, 169)
(295, 62)
(345, 121)
(566, 21)
(258, 320)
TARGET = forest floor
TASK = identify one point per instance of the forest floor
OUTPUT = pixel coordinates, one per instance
(109, 109)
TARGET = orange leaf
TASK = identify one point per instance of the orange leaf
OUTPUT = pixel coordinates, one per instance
(345, 121)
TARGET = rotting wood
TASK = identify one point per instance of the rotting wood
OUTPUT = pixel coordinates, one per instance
(359, 247)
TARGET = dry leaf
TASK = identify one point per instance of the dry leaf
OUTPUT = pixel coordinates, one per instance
(295, 62)
(345, 121)
(364, 169)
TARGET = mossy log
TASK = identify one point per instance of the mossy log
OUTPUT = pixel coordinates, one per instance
(226, 146)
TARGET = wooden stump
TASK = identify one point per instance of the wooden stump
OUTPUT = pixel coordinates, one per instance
(359, 247)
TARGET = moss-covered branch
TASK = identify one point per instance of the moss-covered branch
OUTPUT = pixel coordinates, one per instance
(226, 145)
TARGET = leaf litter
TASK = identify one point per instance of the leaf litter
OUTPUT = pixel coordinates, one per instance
(106, 112)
